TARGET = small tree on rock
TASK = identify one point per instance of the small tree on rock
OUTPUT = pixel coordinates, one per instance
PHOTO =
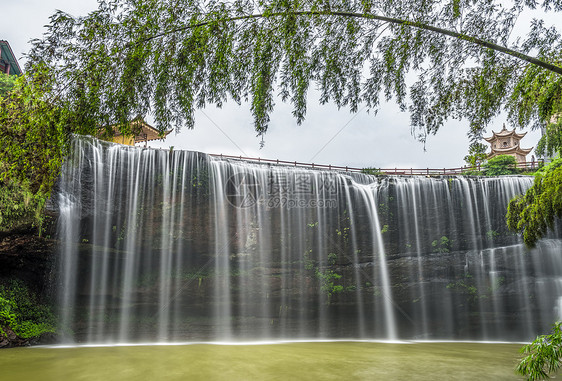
(476, 154)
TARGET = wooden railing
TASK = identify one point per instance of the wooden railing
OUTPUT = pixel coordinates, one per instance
(526, 166)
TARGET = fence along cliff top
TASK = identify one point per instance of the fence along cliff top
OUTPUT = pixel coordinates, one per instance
(525, 165)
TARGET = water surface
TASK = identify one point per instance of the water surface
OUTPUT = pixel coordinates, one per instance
(291, 361)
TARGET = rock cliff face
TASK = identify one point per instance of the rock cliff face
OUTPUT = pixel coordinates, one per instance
(9, 339)
(179, 246)
(28, 259)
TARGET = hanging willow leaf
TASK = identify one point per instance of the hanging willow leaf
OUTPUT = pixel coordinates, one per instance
(167, 58)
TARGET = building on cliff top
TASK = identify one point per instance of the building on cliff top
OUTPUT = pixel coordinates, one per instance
(507, 143)
(8, 62)
(143, 133)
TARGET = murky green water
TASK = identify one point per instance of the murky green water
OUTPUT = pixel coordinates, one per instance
(294, 361)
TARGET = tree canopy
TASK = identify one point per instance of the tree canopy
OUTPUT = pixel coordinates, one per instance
(501, 165)
(167, 58)
(34, 132)
(476, 154)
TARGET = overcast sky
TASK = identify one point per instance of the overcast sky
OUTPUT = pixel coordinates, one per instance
(328, 136)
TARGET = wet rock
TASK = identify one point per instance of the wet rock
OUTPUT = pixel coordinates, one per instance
(28, 258)
(9, 339)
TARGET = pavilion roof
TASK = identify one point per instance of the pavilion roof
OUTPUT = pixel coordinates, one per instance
(504, 133)
(7, 55)
(147, 132)
(510, 150)
(143, 132)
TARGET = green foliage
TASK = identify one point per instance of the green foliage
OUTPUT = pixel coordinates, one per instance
(473, 291)
(20, 208)
(34, 137)
(497, 166)
(7, 82)
(343, 233)
(328, 282)
(501, 165)
(308, 263)
(466, 287)
(168, 58)
(550, 143)
(537, 96)
(472, 172)
(476, 154)
(491, 234)
(328, 278)
(372, 171)
(543, 355)
(200, 182)
(20, 311)
(34, 132)
(442, 245)
(534, 213)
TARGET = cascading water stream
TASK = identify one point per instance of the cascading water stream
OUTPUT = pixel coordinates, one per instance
(179, 246)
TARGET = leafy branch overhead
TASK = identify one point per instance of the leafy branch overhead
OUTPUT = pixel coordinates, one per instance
(167, 58)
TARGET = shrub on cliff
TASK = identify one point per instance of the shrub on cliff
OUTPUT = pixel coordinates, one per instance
(501, 165)
(535, 213)
(21, 312)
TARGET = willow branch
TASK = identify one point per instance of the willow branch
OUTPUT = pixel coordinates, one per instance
(413, 24)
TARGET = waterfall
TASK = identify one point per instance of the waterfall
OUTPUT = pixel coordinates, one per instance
(173, 246)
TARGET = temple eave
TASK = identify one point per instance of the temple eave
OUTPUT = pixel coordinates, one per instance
(149, 136)
(512, 150)
(504, 134)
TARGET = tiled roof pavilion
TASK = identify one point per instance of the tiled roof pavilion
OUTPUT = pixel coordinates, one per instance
(8, 62)
(507, 142)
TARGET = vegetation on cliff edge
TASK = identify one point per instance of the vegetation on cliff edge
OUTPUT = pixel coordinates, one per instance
(21, 312)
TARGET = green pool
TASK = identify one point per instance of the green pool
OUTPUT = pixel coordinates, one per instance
(291, 361)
